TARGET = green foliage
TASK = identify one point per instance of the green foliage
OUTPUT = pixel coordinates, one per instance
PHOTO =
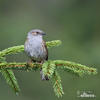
(17, 49)
(49, 68)
(56, 81)
(75, 67)
(9, 77)
(53, 43)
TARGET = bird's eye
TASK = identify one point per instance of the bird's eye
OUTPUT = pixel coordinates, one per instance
(37, 32)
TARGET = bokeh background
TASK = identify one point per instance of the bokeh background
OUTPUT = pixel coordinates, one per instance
(75, 22)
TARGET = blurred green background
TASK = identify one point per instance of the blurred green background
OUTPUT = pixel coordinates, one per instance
(75, 22)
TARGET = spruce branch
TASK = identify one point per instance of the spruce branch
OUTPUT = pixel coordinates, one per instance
(10, 77)
(56, 81)
(49, 68)
(75, 67)
(18, 49)
(61, 64)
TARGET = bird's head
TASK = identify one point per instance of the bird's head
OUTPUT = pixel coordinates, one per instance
(36, 32)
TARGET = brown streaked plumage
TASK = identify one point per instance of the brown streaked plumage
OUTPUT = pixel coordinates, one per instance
(44, 46)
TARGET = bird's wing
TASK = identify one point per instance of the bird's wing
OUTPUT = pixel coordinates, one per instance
(44, 45)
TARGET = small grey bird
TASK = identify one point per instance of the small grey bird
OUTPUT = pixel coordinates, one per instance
(36, 48)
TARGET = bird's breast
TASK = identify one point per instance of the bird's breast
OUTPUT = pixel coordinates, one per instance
(35, 48)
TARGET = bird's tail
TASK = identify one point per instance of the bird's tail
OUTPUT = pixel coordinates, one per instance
(43, 77)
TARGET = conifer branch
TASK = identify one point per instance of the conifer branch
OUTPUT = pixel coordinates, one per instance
(61, 64)
(18, 49)
(49, 68)
(11, 79)
(56, 81)
(75, 67)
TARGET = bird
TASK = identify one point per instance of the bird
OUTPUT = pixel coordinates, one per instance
(35, 47)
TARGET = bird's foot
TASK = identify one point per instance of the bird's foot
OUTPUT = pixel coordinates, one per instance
(29, 65)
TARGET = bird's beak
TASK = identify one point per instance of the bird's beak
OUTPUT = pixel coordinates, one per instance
(43, 33)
